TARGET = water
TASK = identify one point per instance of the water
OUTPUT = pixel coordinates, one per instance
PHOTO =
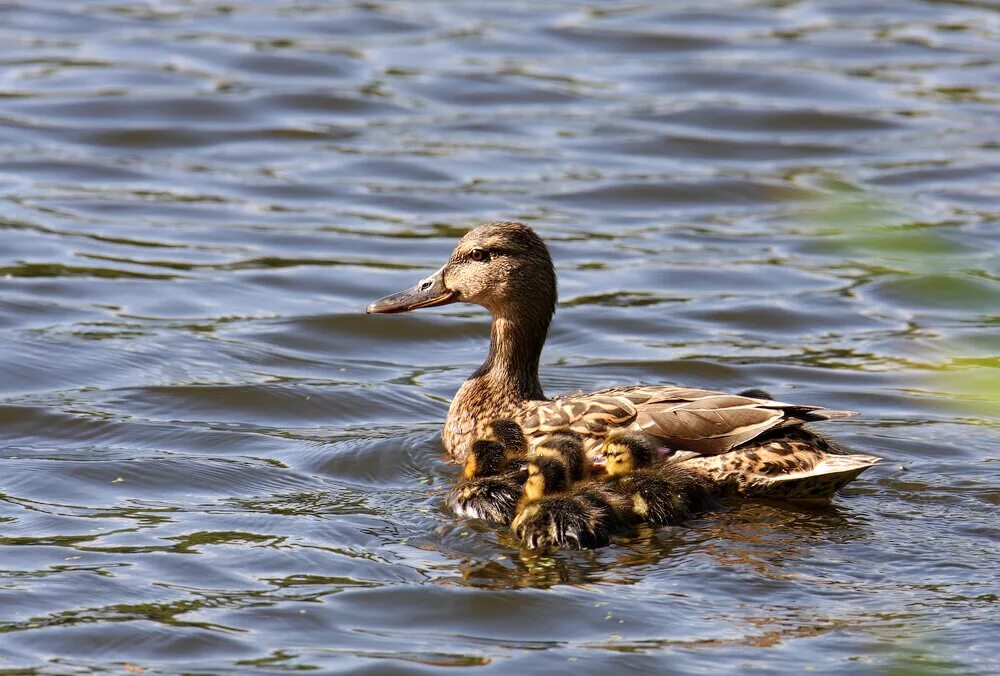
(212, 460)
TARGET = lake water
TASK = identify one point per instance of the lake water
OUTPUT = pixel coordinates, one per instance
(212, 460)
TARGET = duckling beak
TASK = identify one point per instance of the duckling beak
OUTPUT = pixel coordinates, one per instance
(428, 292)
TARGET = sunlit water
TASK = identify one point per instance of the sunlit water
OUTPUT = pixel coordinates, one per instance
(212, 459)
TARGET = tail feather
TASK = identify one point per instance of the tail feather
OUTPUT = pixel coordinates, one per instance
(819, 482)
(828, 414)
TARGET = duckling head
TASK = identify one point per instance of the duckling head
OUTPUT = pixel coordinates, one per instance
(545, 476)
(560, 444)
(503, 266)
(509, 434)
(487, 458)
(566, 446)
(627, 451)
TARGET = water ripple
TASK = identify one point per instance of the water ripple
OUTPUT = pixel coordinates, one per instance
(213, 460)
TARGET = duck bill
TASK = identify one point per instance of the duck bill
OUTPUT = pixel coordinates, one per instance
(428, 292)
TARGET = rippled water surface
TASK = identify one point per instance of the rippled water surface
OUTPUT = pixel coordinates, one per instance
(212, 460)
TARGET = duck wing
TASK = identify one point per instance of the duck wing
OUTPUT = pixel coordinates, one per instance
(591, 416)
(710, 423)
(701, 421)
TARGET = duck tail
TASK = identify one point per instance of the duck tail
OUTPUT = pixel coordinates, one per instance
(819, 482)
(826, 414)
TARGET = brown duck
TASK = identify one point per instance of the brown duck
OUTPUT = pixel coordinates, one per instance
(744, 444)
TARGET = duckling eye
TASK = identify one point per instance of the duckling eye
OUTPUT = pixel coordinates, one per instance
(479, 255)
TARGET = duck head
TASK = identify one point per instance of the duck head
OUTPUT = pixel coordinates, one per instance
(502, 266)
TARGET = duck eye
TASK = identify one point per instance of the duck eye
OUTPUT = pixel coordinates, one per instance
(479, 255)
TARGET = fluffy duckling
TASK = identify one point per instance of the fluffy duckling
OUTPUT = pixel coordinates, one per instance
(554, 513)
(566, 446)
(661, 494)
(490, 488)
(509, 435)
(549, 516)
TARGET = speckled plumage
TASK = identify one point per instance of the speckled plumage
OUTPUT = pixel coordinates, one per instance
(793, 463)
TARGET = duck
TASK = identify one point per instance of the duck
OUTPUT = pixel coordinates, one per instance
(491, 484)
(657, 494)
(748, 445)
(552, 515)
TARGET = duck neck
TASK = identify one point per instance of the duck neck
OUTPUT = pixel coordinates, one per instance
(511, 367)
(507, 379)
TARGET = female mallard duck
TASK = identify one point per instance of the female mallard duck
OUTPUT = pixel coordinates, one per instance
(554, 514)
(506, 268)
(491, 483)
(665, 495)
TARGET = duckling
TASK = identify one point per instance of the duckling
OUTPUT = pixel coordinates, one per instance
(490, 488)
(509, 434)
(568, 447)
(661, 494)
(551, 516)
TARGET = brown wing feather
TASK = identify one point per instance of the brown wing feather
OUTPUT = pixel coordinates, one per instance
(589, 415)
(706, 429)
(714, 423)
(701, 421)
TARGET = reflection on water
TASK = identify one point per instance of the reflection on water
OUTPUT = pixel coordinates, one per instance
(213, 460)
